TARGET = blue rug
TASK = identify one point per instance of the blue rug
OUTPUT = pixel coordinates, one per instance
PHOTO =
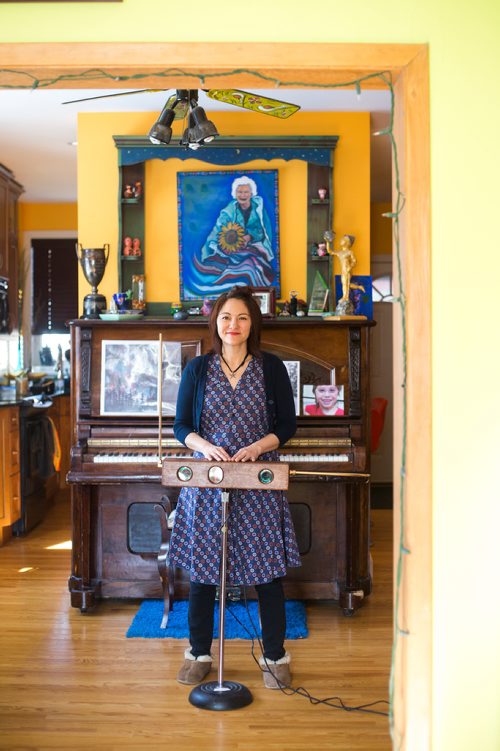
(146, 624)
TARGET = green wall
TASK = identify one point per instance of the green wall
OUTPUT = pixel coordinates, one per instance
(465, 163)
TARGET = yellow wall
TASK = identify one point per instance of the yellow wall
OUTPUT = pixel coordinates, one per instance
(47, 217)
(98, 198)
(465, 164)
(381, 229)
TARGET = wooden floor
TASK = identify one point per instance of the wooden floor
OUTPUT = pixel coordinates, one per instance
(72, 681)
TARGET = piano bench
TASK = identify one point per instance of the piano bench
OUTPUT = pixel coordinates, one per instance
(165, 569)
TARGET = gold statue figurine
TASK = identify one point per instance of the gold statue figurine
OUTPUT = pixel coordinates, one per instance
(347, 263)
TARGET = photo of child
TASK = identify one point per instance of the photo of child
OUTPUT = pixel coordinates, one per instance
(323, 399)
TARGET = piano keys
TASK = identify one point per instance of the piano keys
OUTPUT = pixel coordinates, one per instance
(115, 471)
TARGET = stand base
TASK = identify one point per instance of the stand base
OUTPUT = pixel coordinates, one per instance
(209, 696)
(93, 304)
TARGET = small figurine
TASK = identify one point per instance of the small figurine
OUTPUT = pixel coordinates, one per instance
(206, 308)
(322, 193)
(127, 246)
(128, 191)
(347, 263)
(293, 302)
(136, 247)
(285, 310)
(321, 249)
(138, 189)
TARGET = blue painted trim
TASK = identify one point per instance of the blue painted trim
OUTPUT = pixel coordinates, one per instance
(225, 156)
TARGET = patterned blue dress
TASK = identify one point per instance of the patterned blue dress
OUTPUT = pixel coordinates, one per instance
(261, 537)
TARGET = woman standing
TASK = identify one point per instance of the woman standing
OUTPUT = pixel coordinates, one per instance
(235, 404)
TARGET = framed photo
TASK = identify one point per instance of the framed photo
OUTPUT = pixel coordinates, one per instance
(129, 377)
(189, 350)
(323, 400)
(293, 368)
(266, 299)
(228, 225)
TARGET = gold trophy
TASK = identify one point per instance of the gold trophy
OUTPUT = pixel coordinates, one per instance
(93, 262)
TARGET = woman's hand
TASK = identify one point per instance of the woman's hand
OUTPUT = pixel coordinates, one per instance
(248, 453)
(216, 453)
(209, 451)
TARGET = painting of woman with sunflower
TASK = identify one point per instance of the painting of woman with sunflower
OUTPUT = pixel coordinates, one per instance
(241, 246)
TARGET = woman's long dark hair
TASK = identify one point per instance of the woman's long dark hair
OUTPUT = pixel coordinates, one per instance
(245, 295)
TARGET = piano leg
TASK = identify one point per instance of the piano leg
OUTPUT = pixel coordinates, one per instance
(83, 594)
(354, 578)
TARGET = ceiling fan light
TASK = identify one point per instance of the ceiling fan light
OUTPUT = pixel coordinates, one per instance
(202, 129)
(161, 132)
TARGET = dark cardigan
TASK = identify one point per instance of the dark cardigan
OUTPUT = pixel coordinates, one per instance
(279, 398)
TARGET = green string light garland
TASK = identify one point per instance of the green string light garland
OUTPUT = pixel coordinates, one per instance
(98, 74)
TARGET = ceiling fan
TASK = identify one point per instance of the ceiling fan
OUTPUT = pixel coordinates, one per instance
(199, 129)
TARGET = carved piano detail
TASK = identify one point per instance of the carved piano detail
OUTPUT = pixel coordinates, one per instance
(116, 475)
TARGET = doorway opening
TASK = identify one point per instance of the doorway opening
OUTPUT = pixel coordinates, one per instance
(409, 66)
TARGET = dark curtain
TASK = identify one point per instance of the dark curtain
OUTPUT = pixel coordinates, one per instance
(55, 285)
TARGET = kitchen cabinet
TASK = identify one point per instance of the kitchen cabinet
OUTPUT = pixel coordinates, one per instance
(10, 190)
(10, 477)
(60, 415)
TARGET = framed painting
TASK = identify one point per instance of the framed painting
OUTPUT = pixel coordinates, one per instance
(360, 295)
(228, 231)
(129, 376)
(266, 300)
(59, 1)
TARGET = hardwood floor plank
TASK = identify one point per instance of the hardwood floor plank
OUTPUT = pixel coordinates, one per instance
(73, 681)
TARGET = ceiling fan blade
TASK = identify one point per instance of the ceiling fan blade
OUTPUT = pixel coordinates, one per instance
(255, 102)
(108, 96)
(180, 109)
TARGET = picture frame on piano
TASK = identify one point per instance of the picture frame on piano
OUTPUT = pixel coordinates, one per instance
(266, 300)
(323, 400)
(129, 377)
(293, 368)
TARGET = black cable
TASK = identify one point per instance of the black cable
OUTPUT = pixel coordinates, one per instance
(300, 691)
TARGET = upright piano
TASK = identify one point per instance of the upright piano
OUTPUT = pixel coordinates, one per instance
(115, 472)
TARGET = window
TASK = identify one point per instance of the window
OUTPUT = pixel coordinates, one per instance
(55, 285)
(382, 289)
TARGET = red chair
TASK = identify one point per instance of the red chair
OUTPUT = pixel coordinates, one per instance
(378, 409)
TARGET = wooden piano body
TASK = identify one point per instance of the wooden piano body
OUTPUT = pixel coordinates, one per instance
(116, 479)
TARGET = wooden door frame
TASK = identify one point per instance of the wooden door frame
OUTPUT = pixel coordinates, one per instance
(259, 65)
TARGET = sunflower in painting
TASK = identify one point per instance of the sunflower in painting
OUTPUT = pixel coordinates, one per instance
(231, 236)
